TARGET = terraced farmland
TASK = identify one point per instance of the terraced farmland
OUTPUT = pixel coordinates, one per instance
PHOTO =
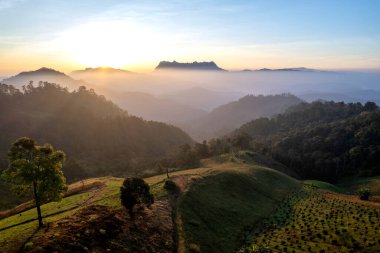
(311, 220)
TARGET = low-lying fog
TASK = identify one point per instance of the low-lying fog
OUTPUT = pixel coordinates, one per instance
(188, 98)
(255, 82)
(190, 86)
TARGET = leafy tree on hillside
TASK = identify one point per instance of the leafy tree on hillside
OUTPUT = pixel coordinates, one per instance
(36, 168)
(135, 191)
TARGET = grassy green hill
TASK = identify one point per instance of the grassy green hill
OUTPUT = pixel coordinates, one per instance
(216, 209)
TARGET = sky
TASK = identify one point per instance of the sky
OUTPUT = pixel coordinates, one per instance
(136, 35)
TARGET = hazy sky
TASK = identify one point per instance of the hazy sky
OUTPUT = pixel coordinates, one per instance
(136, 35)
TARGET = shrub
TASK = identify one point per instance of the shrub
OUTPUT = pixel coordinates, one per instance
(170, 186)
(364, 193)
(194, 248)
(135, 191)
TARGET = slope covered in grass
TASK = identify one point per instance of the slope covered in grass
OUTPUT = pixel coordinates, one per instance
(214, 211)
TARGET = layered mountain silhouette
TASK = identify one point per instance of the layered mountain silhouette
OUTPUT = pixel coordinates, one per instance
(352, 96)
(101, 70)
(298, 69)
(188, 66)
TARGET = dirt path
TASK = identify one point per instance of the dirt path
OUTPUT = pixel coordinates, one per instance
(76, 188)
(96, 193)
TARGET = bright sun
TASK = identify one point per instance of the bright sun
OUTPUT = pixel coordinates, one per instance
(113, 44)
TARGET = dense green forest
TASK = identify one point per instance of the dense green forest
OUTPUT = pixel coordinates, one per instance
(322, 140)
(98, 137)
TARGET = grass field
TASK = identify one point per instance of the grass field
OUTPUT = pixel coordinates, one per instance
(313, 221)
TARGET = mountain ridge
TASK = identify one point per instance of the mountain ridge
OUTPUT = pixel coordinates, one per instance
(189, 66)
(107, 70)
(292, 69)
(43, 74)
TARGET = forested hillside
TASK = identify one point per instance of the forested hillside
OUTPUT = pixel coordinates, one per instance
(321, 140)
(98, 137)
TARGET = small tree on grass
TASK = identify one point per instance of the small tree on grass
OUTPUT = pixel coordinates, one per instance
(170, 186)
(36, 169)
(364, 193)
(135, 191)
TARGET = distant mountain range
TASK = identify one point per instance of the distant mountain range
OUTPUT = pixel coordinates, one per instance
(188, 66)
(101, 70)
(351, 96)
(299, 69)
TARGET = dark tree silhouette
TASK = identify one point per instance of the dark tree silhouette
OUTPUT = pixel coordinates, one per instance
(364, 193)
(135, 191)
